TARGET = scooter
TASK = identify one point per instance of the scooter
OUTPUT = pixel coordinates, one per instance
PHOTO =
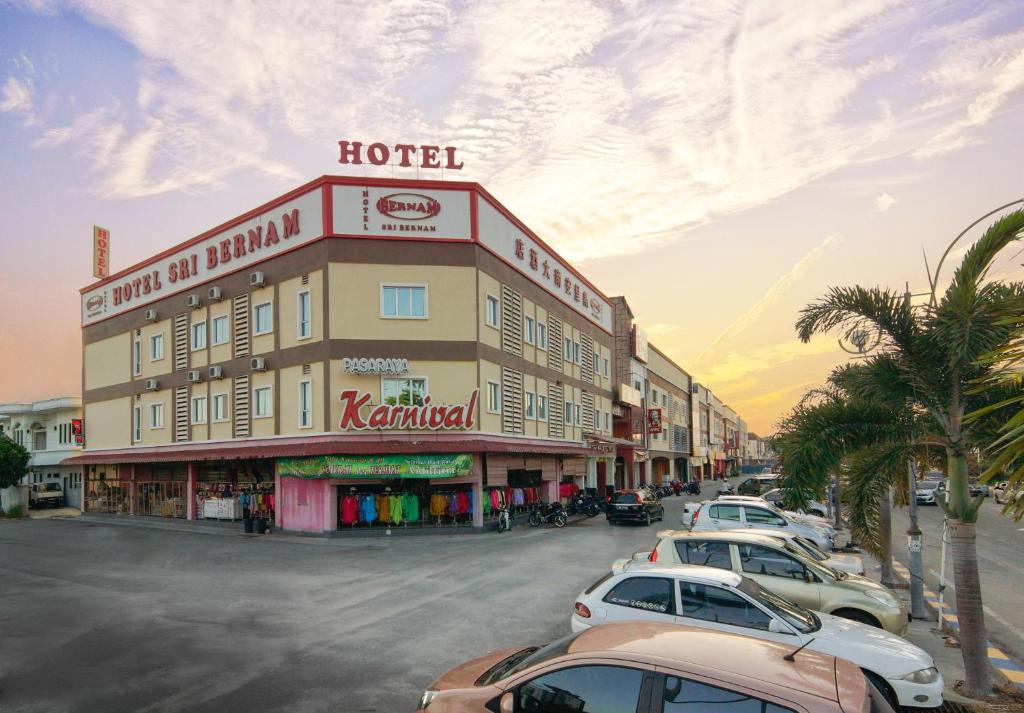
(550, 514)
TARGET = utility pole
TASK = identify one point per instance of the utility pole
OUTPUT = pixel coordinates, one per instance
(915, 544)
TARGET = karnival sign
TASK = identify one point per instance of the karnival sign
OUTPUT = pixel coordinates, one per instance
(358, 414)
(275, 231)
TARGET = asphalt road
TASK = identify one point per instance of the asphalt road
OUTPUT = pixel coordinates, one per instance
(113, 618)
(1000, 565)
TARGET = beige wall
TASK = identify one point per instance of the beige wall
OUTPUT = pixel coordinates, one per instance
(161, 366)
(264, 426)
(529, 350)
(157, 436)
(490, 422)
(221, 352)
(108, 423)
(108, 361)
(287, 295)
(355, 302)
(197, 358)
(263, 343)
(289, 415)
(490, 336)
(220, 430)
(200, 432)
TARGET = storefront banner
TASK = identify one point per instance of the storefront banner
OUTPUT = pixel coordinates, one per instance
(654, 421)
(385, 466)
(357, 413)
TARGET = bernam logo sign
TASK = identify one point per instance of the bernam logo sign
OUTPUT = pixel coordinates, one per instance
(94, 303)
(408, 206)
(358, 414)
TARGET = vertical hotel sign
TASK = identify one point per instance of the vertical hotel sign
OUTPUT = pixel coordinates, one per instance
(100, 251)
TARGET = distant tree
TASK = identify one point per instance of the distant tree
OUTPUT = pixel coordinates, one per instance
(13, 462)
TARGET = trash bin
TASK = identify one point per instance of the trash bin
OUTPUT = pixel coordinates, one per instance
(247, 524)
(261, 526)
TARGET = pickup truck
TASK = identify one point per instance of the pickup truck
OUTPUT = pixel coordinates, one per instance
(46, 495)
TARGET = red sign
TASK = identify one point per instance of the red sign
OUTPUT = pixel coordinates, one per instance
(357, 413)
(351, 152)
(77, 432)
(408, 206)
(654, 420)
(100, 251)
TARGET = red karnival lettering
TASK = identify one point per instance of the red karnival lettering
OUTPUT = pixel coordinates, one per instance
(351, 153)
(427, 416)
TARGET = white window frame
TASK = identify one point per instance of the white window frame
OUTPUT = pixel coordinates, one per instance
(196, 416)
(497, 396)
(488, 301)
(608, 421)
(136, 423)
(405, 377)
(213, 407)
(156, 409)
(256, 401)
(606, 367)
(597, 363)
(411, 285)
(305, 415)
(577, 410)
(255, 320)
(542, 335)
(155, 339)
(577, 354)
(529, 329)
(137, 357)
(529, 405)
(213, 330)
(568, 349)
(192, 336)
(308, 322)
(567, 416)
(542, 407)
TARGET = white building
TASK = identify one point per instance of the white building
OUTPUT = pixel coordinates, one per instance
(45, 428)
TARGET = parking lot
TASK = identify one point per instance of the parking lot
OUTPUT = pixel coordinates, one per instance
(113, 618)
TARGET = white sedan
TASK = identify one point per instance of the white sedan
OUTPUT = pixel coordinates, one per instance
(725, 601)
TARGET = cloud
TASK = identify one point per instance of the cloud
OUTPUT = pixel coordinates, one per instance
(16, 96)
(743, 367)
(884, 202)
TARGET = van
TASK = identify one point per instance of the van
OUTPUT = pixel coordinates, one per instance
(758, 484)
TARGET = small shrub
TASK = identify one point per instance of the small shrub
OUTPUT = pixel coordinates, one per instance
(15, 511)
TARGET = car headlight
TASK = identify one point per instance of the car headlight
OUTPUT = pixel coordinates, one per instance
(885, 599)
(427, 698)
(925, 675)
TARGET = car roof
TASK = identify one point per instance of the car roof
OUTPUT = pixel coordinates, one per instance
(722, 535)
(742, 656)
(711, 575)
(741, 499)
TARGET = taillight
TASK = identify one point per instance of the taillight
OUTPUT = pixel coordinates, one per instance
(581, 610)
(653, 557)
(693, 520)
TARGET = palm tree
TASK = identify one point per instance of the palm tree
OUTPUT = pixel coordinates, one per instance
(935, 354)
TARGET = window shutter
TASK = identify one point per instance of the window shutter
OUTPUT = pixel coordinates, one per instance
(511, 321)
(181, 412)
(241, 400)
(587, 358)
(241, 319)
(587, 411)
(554, 343)
(180, 342)
(511, 401)
(556, 411)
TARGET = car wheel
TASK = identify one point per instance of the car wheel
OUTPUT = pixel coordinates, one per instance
(859, 616)
(884, 688)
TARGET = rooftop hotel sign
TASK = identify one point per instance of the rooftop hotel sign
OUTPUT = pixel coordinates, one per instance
(244, 243)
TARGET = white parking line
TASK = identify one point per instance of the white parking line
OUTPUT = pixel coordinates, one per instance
(987, 609)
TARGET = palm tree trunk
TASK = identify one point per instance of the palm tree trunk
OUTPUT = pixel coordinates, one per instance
(969, 608)
(889, 578)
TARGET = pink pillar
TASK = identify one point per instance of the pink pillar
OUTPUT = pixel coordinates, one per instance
(330, 516)
(278, 510)
(552, 488)
(132, 493)
(478, 504)
(190, 508)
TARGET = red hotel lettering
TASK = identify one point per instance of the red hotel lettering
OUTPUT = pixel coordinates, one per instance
(403, 153)
(351, 153)
(255, 238)
(291, 223)
(426, 416)
(519, 248)
(558, 277)
(546, 269)
(533, 259)
(236, 247)
(238, 241)
(430, 156)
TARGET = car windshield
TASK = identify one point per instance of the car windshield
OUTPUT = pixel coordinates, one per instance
(52, 487)
(631, 498)
(810, 548)
(802, 551)
(927, 485)
(526, 658)
(799, 618)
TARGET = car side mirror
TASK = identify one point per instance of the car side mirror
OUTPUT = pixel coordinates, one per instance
(809, 576)
(508, 703)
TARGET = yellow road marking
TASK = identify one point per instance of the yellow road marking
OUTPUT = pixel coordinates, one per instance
(994, 653)
(1015, 676)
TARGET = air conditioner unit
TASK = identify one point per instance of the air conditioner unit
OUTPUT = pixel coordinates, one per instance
(151, 385)
(150, 315)
(192, 301)
(214, 294)
(216, 372)
(258, 364)
(257, 279)
(195, 376)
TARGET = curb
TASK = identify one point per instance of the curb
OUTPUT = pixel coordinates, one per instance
(999, 660)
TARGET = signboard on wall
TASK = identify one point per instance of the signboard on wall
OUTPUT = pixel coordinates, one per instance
(425, 465)
(654, 420)
(374, 366)
(358, 414)
(100, 251)
(404, 213)
(639, 339)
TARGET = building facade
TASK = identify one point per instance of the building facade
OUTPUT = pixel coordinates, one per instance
(668, 396)
(49, 430)
(356, 354)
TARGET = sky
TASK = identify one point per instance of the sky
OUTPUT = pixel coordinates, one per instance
(720, 164)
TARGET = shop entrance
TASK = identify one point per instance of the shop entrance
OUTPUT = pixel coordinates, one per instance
(105, 492)
(403, 503)
(232, 490)
(164, 493)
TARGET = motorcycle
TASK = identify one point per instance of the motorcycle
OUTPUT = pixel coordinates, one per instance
(692, 488)
(548, 514)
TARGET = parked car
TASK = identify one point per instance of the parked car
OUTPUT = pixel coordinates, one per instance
(758, 484)
(785, 570)
(851, 564)
(725, 515)
(46, 495)
(977, 489)
(798, 516)
(1002, 493)
(710, 598)
(777, 497)
(669, 667)
(634, 506)
(928, 489)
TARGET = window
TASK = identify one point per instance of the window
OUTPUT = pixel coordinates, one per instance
(262, 318)
(220, 329)
(709, 603)
(156, 347)
(583, 689)
(304, 328)
(529, 335)
(404, 391)
(198, 409)
(706, 554)
(685, 696)
(606, 367)
(530, 409)
(763, 517)
(263, 407)
(403, 301)
(597, 363)
(757, 559)
(220, 407)
(725, 512)
(578, 414)
(493, 397)
(199, 335)
(647, 593)
(568, 349)
(608, 420)
(654, 396)
(136, 358)
(156, 415)
(542, 336)
(568, 413)
(664, 401)
(306, 404)
(577, 351)
(542, 407)
(493, 316)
